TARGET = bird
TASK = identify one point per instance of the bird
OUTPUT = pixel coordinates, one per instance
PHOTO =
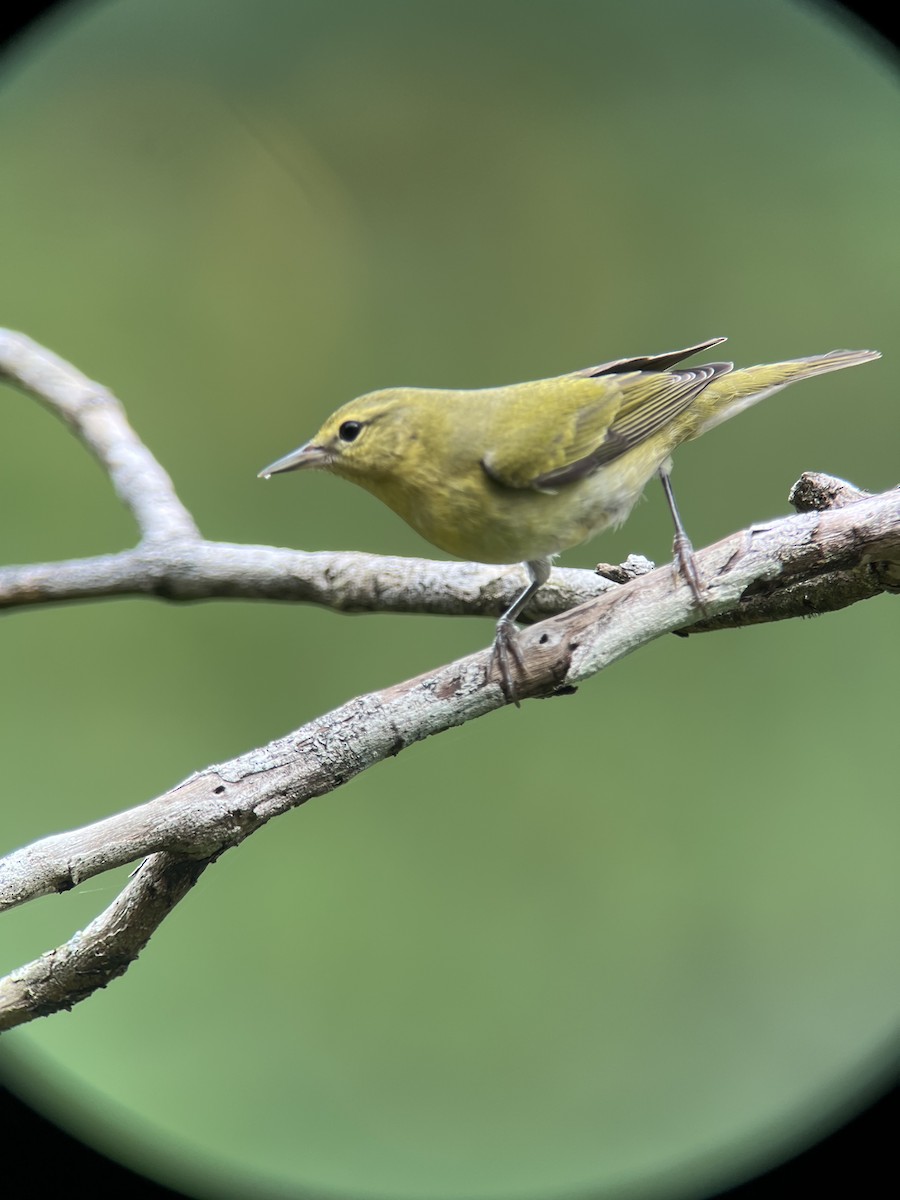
(522, 472)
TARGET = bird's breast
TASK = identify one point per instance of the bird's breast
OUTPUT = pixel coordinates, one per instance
(473, 517)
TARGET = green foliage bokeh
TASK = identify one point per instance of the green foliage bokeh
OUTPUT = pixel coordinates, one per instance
(632, 942)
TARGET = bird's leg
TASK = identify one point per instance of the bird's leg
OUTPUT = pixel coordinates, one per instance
(505, 649)
(682, 550)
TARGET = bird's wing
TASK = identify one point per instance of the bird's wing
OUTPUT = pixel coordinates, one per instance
(544, 426)
(648, 362)
(582, 429)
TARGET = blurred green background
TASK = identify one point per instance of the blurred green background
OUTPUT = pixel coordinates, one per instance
(637, 942)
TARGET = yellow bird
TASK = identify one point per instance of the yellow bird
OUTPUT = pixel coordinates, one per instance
(522, 472)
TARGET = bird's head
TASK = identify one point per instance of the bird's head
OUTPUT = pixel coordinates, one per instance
(367, 440)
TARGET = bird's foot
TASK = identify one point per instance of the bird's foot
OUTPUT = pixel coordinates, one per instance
(685, 565)
(505, 653)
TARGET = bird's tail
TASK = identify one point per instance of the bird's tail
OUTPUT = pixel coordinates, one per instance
(731, 393)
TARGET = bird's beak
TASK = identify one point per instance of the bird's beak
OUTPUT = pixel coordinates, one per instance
(307, 456)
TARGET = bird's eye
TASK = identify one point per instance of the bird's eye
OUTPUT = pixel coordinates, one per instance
(350, 431)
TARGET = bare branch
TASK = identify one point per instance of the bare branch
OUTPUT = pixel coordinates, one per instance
(811, 593)
(219, 807)
(98, 419)
(346, 582)
(105, 949)
(815, 492)
(844, 547)
(357, 583)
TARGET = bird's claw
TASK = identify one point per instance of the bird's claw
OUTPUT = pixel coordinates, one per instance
(685, 565)
(506, 651)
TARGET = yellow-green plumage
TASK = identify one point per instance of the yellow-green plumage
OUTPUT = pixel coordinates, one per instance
(473, 471)
(520, 473)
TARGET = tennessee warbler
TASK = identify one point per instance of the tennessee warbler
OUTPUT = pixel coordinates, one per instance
(522, 472)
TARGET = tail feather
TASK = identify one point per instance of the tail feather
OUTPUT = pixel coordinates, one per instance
(730, 394)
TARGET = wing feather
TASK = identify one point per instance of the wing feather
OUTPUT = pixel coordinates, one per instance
(583, 429)
(649, 362)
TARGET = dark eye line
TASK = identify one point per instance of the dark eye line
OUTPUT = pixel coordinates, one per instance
(350, 431)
